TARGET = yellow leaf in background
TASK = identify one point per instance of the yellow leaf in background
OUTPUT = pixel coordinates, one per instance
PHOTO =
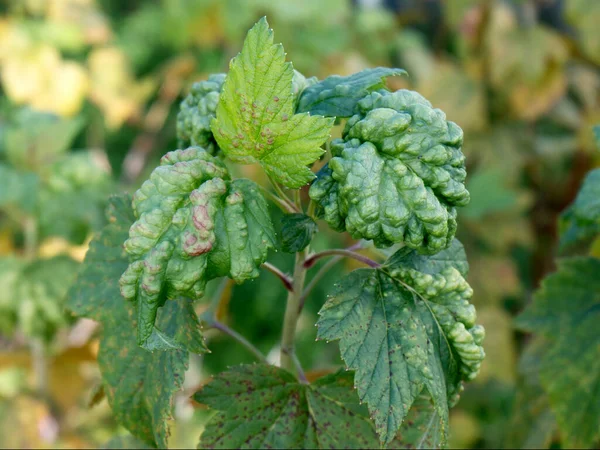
(6, 242)
(55, 246)
(83, 16)
(40, 78)
(14, 38)
(114, 88)
(464, 429)
(500, 353)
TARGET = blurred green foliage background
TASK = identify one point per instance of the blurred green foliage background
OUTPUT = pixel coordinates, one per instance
(89, 92)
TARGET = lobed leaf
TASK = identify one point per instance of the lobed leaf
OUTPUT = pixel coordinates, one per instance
(255, 119)
(406, 329)
(263, 406)
(396, 176)
(337, 96)
(193, 224)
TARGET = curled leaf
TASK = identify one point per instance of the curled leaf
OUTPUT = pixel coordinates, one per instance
(396, 176)
(193, 224)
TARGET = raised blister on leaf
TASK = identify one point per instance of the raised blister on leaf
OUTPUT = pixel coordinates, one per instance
(255, 119)
(397, 175)
(193, 224)
(196, 112)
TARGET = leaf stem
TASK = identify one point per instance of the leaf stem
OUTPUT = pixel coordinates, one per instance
(290, 321)
(30, 238)
(315, 279)
(310, 261)
(283, 196)
(281, 203)
(214, 323)
(285, 279)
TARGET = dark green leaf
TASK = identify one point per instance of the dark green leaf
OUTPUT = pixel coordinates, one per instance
(566, 310)
(338, 96)
(297, 231)
(262, 406)
(406, 329)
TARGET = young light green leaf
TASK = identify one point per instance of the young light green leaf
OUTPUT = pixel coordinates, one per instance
(297, 231)
(337, 96)
(396, 176)
(407, 328)
(138, 384)
(580, 222)
(255, 119)
(566, 310)
(193, 224)
(263, 406)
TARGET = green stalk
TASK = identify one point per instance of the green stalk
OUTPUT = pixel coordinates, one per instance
(292, 313)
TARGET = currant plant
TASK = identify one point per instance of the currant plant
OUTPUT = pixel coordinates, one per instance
(405, 326)
(564, 315)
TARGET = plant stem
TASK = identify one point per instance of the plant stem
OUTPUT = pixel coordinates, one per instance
(285, 279)
(40, 367)
(239, 338)
(310, 261)
(315, 279)
(283, 196)
(281, 203)
(290, 320)
(30, 237)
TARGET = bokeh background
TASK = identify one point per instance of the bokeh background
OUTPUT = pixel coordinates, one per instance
(89, 92)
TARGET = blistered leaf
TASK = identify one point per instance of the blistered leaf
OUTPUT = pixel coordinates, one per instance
(566, 311)
(337, 96)
(139, 384)
(193, 224)
(406, 329)
(196, 112)
(580, 222)
(397, 174)
(255, 116)
(297, 231)
(262, 406)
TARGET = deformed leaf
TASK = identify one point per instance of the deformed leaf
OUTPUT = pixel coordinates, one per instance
(566, 311)
(138, 384)
(396, 176)
(193, 224)
(255, 119)
(263, 406)
(196, 112)
(337, 96)
(407, 329)
(297, 231)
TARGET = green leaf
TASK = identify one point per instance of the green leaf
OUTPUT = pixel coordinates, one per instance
(19, 189)
(37, 138)
(596, 131)
(580, 222)
(422, 428)
(255, 116)
(488, 194)
(262, 406)
(125, 441)
(406, 329)
(193, 224)
(396, 176)
(33, 295)
(196, 112)
(338, 96)
(566, 310)
(139, 384)
(297, 231)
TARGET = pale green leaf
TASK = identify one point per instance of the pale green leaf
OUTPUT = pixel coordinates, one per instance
(337, 96)
(193, 224)
(255, 119)
(19, 189)
(396, 176)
